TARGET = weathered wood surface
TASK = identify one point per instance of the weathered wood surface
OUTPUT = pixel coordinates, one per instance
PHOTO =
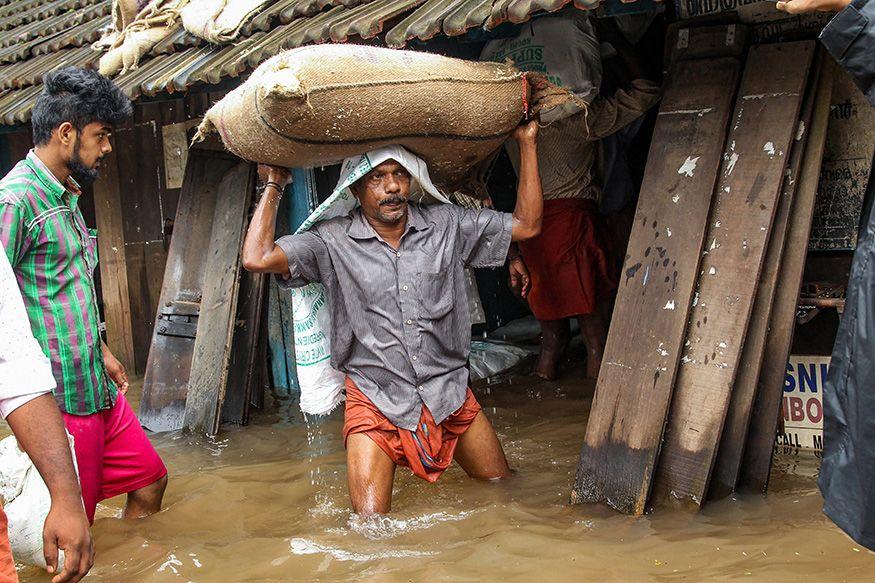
(743, 207)
(165, 384)
(763, 426)
(847, 165)
(140, 183)
(113, 263)
(705, 42)
(244, 370)
(634, 388)
(279, 318)
(207, 384)
(260, 383)
(734, 435)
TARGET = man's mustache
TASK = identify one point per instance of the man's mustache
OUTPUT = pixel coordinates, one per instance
(393, 200)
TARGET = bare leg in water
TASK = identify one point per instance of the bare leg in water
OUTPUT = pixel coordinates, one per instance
(145, 501)
(595, 334)
(555, 335)
(479, 452)
(370, 473)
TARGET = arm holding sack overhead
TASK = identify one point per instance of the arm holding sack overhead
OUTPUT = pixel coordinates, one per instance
(529, 209)
(486, 234)
(803, 6)
(293, 256)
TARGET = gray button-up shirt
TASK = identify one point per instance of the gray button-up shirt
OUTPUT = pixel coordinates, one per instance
(400, 319)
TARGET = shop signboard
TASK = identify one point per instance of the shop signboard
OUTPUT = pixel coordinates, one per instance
(802, 404)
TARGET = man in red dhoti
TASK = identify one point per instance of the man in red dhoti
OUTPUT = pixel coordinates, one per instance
(572, 275)
(401, 326)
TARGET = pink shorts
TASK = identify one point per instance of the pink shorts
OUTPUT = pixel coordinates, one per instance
(113, 453)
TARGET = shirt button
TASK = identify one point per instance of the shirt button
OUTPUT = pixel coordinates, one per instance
(414, 357)
(404, 288)
(410, 321)
(397, 255)
(419, 388)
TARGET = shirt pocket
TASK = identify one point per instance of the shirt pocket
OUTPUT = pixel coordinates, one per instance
(437, 290)
(57, 242)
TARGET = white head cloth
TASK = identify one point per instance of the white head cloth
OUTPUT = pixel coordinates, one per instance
(342, 199)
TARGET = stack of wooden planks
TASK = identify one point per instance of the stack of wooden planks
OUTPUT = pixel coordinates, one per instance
(686, 406)
(206, 362)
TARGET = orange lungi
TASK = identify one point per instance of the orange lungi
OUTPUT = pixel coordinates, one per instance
(8, 573)
(428, 451)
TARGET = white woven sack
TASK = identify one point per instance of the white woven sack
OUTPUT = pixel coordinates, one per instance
(562, 46)
(26, 502)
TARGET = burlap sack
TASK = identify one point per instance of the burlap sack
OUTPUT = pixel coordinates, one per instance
(135, 46)
(320, 104)
(155, 22)
(124, 12)
(220, 21)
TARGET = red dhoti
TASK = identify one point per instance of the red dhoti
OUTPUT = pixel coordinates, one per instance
(428, 451)
(569, 263)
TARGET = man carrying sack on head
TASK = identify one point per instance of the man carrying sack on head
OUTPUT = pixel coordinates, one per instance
(401, 333)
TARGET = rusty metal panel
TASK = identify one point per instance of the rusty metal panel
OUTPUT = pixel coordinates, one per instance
(49, 26)
(367, 20)
(468, 14)
(31, 72)
(15, 106)
(423, 24)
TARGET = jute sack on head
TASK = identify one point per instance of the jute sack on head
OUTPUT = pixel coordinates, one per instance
(320, 104)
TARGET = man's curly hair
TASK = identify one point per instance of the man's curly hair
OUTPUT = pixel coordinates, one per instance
(79, 96)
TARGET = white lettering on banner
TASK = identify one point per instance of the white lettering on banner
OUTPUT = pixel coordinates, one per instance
(802, 405)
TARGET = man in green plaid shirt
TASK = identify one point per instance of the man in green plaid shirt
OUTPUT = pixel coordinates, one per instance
(54, 257)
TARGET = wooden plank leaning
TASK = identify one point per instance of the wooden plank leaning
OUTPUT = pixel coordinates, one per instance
(244, 370)
(734, 436)
(165, 385)
(757, 461)
(215, 329)
(762, 130)
(634, 388)
(113, 263)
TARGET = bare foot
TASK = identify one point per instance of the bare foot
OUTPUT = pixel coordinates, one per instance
(555, 335)
(548, 363)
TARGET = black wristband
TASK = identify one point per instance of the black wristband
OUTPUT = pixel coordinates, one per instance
(275, 185)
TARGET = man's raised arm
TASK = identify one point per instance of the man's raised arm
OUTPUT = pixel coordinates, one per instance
(530, 199)
(260, 253)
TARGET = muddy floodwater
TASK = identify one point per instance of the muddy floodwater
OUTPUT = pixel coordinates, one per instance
(268, 502)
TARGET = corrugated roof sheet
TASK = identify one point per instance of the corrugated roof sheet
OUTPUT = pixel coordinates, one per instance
(54, 24)
(27, 73)
(37, 37)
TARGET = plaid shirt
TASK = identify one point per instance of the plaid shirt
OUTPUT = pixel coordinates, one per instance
(54, 257)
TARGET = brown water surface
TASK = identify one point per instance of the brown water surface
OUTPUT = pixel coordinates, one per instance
(268, 502)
